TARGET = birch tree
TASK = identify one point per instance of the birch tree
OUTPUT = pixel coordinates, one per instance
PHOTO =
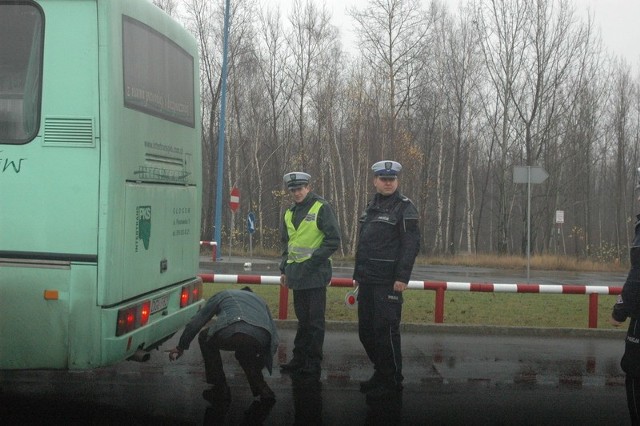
(392, 35)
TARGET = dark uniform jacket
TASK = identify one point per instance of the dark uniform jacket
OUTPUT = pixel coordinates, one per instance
(316, 271)
(629, 302)
(389, 240)
(628, 306)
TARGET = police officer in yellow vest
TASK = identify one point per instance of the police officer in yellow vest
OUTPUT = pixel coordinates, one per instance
(310, 235)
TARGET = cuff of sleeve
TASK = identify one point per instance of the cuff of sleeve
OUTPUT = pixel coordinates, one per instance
(618, 316)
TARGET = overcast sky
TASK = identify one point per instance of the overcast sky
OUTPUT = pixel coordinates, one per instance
(618, 21)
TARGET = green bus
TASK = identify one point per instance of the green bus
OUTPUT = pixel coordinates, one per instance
(100, 181)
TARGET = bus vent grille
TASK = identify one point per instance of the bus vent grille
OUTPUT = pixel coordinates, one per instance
(62, 131)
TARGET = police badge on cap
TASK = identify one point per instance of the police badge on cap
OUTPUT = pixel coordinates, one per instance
(386, 168)
(296, 179)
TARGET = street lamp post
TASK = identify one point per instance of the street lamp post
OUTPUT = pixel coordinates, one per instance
(223, 107)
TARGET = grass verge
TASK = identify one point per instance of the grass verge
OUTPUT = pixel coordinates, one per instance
(461, 308)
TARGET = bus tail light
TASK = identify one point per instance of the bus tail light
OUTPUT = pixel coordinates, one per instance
(133, 317)
(191, 293)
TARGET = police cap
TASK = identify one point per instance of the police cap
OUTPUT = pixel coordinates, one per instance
(386, 168)
(296, 179)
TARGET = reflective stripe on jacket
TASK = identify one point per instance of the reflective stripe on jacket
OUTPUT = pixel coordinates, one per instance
(307, 238)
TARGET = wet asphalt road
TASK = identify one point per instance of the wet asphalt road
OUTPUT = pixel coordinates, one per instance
(453, 376)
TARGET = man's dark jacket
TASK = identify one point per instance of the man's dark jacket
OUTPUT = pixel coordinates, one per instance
(389, 240)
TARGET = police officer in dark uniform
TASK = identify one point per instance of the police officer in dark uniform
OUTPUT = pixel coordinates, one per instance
(388, 243)
(310, 236)
(628, 306)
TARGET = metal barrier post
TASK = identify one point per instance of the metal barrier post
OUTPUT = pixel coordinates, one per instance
(593, 310)
(284, 303)
(439, 311)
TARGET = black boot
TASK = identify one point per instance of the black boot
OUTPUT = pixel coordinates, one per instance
(217, 394)
(370, 384)
(293, 366)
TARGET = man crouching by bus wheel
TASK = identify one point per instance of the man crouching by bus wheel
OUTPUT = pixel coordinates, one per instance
(628, 306)
(243, 324)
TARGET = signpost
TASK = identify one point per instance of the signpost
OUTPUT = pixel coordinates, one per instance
(559, 222)
(529, 175)
(234, 204)
(217, 224)
(251, 223)
(251, 228)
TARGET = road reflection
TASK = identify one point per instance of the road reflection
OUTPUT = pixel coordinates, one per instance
(307, 399)
(256, 414)
(385, 412)
(37, 410)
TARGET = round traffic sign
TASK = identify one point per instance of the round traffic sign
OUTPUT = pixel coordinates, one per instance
(234, 200)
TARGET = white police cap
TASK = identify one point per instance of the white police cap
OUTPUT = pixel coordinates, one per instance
(386, 168)
(296, 179)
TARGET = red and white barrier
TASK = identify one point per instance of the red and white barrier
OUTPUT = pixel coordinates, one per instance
(433, 285)
(240, 279)
(438, 286)
(513, 288)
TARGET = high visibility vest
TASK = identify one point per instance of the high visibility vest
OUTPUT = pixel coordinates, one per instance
(307, 238)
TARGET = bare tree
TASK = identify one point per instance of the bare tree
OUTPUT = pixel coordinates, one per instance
(461, 68)
(200, 16)
(169, 6)
(502, 26)
(272, 56)
(621, 121)
(312, 34)
(393, 35)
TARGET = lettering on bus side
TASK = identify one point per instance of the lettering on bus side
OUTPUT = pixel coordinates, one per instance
(155, 173)
(181, 221)
(143, 226)
(8, 165)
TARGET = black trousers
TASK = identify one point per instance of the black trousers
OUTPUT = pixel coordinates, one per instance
(633, 398)
(310, 307)
(379, 315)
(248, 351)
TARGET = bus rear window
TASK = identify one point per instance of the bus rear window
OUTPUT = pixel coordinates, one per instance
(21, 39)
(158, 74)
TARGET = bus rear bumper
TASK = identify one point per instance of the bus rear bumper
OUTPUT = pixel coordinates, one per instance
(145, 339)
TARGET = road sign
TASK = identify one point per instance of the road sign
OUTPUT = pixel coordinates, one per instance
(559, 216)
(234, 200)
(529, 174)
(251, 222)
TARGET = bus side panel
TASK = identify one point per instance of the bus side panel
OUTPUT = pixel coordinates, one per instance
(33, 329)
(84, 318)
(160, 221)
(50, 193)
(150, 165)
